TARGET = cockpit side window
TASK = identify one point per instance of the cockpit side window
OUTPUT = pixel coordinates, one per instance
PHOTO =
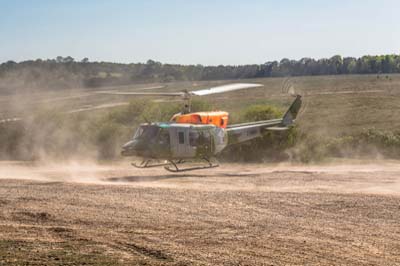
(146, 132)
(193, 138)
(138, 133)
(163, 136)
(197, 138)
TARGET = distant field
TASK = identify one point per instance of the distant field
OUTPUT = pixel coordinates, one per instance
(332, 104)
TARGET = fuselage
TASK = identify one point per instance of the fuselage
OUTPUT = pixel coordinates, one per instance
(176, 141)
(191, 135)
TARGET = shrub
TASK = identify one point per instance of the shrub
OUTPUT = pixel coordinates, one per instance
(107, 140)
(261, 112)
(128, 115)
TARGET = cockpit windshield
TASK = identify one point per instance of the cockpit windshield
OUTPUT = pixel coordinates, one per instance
(146, 132)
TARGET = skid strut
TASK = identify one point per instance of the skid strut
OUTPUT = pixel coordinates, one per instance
(149, 164)
(176, 169)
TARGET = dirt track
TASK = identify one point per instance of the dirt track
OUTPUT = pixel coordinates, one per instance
(233, 215)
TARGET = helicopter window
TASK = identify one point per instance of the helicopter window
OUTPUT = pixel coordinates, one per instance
(199, 138)
(138, 133)
(163, 137)
(181, 137)
(193, 138)
(147, 132)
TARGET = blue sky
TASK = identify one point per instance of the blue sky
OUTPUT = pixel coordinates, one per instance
(208, 32)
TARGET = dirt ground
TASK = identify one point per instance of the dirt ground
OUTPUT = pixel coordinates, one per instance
(81, 213)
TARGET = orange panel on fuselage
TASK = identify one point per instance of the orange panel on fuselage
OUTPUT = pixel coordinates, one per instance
(220, 119)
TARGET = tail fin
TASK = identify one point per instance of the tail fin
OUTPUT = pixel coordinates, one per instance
(292, 112)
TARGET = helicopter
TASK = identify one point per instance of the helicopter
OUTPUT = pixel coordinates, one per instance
(197, 136)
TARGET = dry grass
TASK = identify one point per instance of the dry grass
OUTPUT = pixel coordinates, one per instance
(367, 101)
(235, 215)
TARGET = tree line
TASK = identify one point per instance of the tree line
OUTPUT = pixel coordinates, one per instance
(66, 72)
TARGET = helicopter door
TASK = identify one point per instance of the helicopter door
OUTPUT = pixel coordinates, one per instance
(201, 142)
(180, 146)
(205, 143)
(181, 143)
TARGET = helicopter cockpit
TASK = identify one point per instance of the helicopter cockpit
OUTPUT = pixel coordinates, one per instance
(148, 140)
(146, 132)
(152, 133)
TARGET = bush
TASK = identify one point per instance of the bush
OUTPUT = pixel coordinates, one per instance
(261, 112)
(201, 106)
(108, 140)
(369, 143)
(308, 148)
(11, 137)
(128, 115)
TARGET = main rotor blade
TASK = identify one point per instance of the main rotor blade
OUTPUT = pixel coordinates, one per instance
(142, 93)
(218, 89)
(132, 87)
(225, 88)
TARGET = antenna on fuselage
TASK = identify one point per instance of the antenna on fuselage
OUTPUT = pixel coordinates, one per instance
(187, 97)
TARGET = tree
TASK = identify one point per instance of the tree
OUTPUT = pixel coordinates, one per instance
(335, 64)
(68, 59)
(65, 72)
(59, 59)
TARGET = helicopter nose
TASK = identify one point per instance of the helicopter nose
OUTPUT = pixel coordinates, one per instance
(131, 148)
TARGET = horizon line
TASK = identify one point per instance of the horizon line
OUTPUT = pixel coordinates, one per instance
(76, 60)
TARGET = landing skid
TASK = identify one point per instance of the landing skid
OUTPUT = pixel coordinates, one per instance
(176, 169)
(151, 164)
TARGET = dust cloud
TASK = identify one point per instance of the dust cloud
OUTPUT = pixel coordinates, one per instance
(69, 171)
(338, 177)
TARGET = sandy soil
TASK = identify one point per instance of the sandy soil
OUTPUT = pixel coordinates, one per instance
(79, 212)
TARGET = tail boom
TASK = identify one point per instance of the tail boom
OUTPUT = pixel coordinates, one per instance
(247, 131)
